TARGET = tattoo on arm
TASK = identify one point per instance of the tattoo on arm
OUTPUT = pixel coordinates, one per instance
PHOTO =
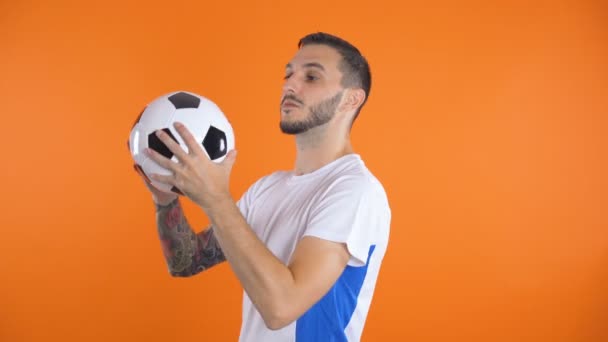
(186, 252)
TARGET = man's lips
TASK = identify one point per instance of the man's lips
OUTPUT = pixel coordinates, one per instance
(289, 104)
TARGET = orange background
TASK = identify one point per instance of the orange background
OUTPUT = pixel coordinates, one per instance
(486, 124)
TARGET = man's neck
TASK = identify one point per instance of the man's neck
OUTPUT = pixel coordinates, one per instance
(316, 148)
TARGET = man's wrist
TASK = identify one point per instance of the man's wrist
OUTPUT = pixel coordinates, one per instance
(218, 205)
(160, 203)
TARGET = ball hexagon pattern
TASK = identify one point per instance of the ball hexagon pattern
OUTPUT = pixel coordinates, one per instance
(203, 118)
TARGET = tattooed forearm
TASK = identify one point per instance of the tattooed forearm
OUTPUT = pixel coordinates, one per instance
(186, 252)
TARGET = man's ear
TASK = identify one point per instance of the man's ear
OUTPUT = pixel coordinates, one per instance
(353, 99)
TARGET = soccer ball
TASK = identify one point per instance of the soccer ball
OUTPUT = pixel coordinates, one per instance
(203, 118)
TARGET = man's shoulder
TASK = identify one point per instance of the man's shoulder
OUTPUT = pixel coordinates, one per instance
(356, 176)
(272, 177)
(268, 180)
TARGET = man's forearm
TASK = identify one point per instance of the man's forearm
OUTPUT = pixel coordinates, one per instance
(264, 277)
(186, 252)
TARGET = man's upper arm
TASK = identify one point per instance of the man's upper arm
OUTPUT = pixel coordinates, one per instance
(342, 228)
(316, 265)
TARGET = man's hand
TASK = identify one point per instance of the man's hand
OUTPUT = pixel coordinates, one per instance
(200, 179)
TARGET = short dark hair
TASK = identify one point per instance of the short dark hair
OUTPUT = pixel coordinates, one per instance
(354, 67)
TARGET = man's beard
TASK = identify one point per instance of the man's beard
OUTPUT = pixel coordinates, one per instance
(320, 114)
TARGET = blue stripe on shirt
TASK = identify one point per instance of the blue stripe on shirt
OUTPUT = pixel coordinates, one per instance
(327, 319)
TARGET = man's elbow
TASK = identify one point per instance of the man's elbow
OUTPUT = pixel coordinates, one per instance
(276, 323)
(278, 318)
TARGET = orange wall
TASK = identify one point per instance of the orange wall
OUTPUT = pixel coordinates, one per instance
(486, 123)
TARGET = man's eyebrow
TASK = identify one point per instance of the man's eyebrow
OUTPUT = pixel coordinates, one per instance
(308, 65)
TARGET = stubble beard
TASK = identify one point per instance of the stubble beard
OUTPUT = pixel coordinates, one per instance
(320, 114)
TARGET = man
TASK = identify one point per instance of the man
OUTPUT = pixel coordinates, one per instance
(305, 244)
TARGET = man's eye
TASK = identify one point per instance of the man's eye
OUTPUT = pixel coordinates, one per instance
(287, 76)
(311, 78)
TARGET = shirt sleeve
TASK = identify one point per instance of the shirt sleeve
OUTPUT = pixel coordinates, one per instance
(244, 203)
(248, 198)
(349, 212)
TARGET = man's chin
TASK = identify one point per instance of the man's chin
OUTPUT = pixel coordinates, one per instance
(292, 128)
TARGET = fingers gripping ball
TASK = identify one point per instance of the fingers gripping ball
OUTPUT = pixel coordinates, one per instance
(203, 118)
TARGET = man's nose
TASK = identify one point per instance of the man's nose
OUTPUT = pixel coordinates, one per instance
(290, 86)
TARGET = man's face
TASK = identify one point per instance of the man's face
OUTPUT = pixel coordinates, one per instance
(312, 91)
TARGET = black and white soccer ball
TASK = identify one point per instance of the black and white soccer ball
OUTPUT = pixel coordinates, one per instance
(203, 118)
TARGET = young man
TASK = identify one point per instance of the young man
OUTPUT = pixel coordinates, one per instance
(306, 244)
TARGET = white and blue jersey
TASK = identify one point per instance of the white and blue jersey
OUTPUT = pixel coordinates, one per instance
(341, 202)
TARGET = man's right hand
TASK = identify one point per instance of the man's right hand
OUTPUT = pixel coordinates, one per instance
(159, 197)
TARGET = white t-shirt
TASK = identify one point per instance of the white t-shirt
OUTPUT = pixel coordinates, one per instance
(342, 202)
